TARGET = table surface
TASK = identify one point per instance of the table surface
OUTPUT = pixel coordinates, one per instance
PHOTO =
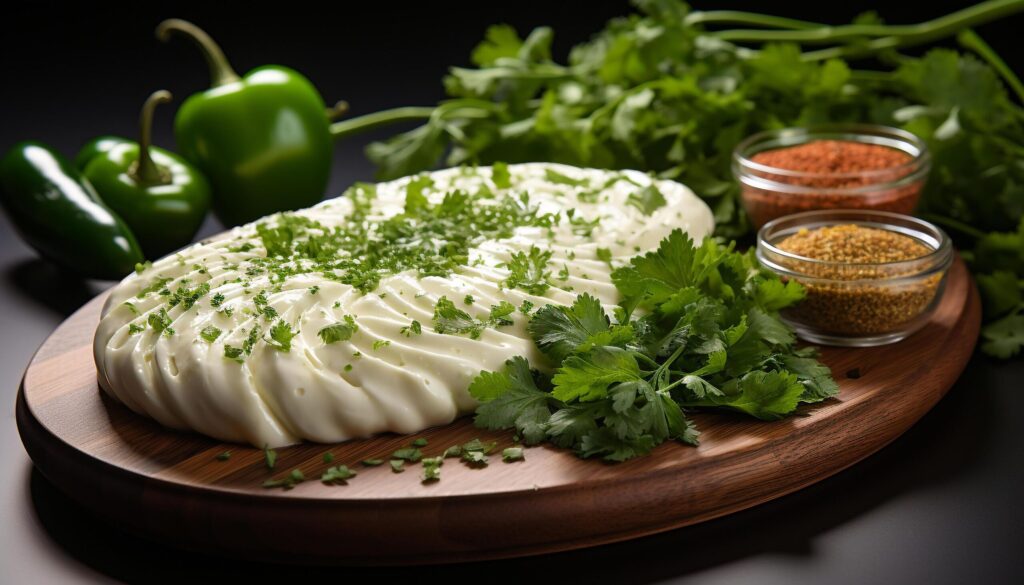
(939, 505)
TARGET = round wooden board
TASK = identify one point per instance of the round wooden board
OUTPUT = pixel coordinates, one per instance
(169, 486)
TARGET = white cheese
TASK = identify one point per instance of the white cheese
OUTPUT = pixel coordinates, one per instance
(380, 379)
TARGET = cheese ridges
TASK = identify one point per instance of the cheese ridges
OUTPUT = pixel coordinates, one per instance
(380, 379)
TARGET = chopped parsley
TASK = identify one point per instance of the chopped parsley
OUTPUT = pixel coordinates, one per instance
(281, 335)
(397, 465)
(328, 457)
(210, 333)
(469, 300)
(605, 255)
(160, 322)
(338, 474)
(411, 329)
(451, 320)
(512, 454)
(223, 455)
(432, 469)
(706, 335)
(269, 457)
(647, 200)
(381, 343)
(420, 442)
(339, 331)
(287, 482)
(372, 462)
(410, 454)
(135, 329)
(528, 271)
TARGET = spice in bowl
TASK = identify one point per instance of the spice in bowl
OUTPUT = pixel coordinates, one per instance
(839, 167)
(870, 277)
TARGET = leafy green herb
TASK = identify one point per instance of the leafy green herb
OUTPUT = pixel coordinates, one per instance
(328, 457)
(135, 329)
(210, 333)
(673, 91)
(269, 457)
(420, 442)
(287, 482)
(381, 343)
(513, 454)
(339, 331)
(708, 337)
(605, 255)
(528, 271)
(397, 465)
(281, 336)
(372, 462)
(223, 455)
(500, 176)
(432, 469)
(337, 474)
(469, 300)
(160, 322)
(410, 454)
(647, 200)
(411, 329)
(313, 290)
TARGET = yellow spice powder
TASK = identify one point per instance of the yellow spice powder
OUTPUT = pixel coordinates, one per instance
(859, 254)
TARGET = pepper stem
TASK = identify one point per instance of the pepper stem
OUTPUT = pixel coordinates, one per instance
(221, 72)
(144, 170)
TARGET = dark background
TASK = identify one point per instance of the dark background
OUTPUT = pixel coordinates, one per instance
(941, 505)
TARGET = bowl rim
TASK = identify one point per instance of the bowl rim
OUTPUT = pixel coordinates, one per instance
(914, 169)
(938, 260)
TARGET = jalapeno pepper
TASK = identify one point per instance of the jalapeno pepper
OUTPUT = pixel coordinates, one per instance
(262, 140)
(59, 214)
(161, 197)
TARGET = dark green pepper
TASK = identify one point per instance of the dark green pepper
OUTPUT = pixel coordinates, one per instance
(59, 214)
(161, 197)
(262, 140)
(96, 147)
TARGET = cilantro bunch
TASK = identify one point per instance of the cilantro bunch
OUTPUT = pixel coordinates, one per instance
(697, 328)
(672, 91)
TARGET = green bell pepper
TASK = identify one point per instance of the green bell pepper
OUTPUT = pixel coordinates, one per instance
(262, 140)
(161, 197)
(96, 147)
(58, 213)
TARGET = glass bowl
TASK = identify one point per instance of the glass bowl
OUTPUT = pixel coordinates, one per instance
(859, 304)
(770, 192)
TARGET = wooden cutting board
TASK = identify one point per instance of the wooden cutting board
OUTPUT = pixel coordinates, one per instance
(169, 486)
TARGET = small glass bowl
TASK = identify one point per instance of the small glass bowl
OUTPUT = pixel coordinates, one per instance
(771, 192)
(859, 305)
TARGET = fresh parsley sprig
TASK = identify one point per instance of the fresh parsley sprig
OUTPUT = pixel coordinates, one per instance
(697, 328)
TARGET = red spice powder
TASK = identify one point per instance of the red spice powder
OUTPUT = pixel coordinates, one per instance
(832, 165)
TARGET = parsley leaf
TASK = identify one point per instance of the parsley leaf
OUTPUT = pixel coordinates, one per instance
(339, 331)
(528, 271)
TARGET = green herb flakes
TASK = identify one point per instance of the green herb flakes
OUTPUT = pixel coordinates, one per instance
(339, 474)
(287, 482)
(512, 454)
(210, 333)
(339, 331)
(223, 456)
(432, 469)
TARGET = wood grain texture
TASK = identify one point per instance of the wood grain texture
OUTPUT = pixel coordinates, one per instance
(169, 486)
